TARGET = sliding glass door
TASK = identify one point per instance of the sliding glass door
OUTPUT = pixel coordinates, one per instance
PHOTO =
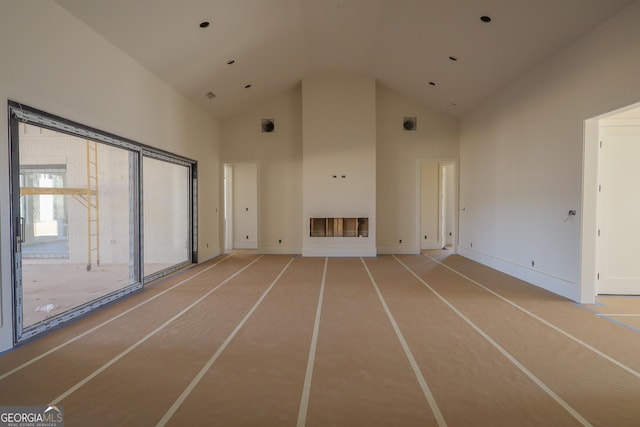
(78, 219)
(167, 214)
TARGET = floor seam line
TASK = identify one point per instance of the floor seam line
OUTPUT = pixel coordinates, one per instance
(543, 321)
(619, 314)
(187, 391)
(145, 338)
(306, 388)
(106, 322)
(617, 322)
(502, 350)
(428, 394)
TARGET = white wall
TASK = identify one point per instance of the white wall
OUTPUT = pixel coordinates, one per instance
(279, 155)
(339, 139)
(521, 157)
(53, 62)
(399, 154)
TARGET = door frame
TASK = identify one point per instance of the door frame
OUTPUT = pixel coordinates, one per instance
(228, 203)
(444, 200)
(228, 206)
(442, 162)
(589, 226)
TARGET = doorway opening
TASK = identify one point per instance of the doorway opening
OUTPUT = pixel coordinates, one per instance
(611, 205)
(240, 206)
(438, 204)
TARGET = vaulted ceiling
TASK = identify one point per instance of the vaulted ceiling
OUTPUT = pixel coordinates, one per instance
(404, 44)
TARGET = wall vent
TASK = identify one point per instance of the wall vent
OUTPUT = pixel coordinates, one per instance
(268, 125)
(410, 123)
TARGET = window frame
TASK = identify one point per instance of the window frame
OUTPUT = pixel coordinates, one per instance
(17, 113)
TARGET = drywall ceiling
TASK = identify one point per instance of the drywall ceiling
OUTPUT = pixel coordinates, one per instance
(405, 44)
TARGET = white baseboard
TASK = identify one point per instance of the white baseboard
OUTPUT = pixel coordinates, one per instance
(328, 251)
(204, 257)
(431, 245)
(245, 244)
(280, 250)
(399, 250)
(541, 279)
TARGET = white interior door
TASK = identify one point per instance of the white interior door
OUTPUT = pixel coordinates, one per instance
(619, 211)
(429, 205)
(450, 204)
(437, 204)
(228, 207)
(245, 205)
(442, 227)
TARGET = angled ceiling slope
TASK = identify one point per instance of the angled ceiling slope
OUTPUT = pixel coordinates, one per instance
(405, 44)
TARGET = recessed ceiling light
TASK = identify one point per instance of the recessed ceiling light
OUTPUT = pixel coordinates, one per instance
(485, 18)
(231, 61)
(204, 24)
(247, 86)
(453, 58)
(432, 83)
(210, 95)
